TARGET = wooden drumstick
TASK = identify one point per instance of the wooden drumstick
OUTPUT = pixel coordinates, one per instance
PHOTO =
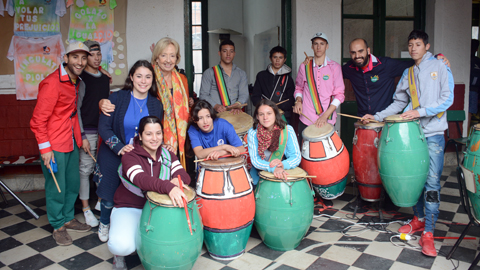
(229, 155)
(92, 157)
(303, 176)
(306, 55)
(283, 101)
(358, 117)
(54, 178)
(241, 106)
(305, 116)
(180, 183)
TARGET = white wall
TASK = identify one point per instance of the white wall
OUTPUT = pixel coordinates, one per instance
(226, 14)
(449, 26)
(150, 20)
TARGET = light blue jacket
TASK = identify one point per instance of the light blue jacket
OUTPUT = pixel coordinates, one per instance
(435, 85)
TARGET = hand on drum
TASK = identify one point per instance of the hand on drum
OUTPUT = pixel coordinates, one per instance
(321, 121)
(366, 117)
(176, 183)
(106, 106)
(275, 163)
(127, 148)
(280, 173)
(169, 147)
(214, 155)
(176, 196)
(410, 114)
(219, 108)
(232, 150)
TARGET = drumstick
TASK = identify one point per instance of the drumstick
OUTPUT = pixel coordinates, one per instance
(283, 101)
(305, 116)
(304, 176)
(92, 157)
(453, 237)
(54, 179)
(185, 205)
(241, 106)
(306, 55)
(229, 155)
(357, 117)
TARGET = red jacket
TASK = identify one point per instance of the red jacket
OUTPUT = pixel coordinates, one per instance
(55, 120)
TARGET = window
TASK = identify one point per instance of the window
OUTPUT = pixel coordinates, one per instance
(197, 44)
(384, 24)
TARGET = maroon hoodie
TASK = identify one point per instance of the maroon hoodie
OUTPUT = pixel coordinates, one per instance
(142, 167)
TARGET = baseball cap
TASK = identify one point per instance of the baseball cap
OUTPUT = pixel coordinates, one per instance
(75, 46)
(91, 43)
(320, 35)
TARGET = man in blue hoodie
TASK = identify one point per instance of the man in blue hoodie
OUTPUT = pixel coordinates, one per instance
(434, 95)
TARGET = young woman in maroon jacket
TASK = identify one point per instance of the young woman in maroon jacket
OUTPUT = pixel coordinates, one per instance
(142, 167)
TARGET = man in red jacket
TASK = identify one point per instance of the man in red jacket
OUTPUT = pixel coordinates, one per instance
(56, 128)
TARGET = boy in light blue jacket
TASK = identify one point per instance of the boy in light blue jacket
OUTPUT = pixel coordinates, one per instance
(434, 85)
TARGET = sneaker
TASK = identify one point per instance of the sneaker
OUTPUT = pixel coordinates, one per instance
(428, 247)
(97, 206)
(90, 219)
(103, 232)
(119, 263)
(414, 225)
(62, 237)
(76, 226)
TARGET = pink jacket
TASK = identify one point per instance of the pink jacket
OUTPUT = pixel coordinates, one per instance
(329, 80)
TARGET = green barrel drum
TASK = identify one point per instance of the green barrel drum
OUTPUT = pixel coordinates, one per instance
(471, 170)
(283, 209)
(164, 240)
(403, 160)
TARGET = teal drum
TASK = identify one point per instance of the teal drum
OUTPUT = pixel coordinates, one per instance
(471, 170)
(283, 209)
(164, 240)
(403, 160)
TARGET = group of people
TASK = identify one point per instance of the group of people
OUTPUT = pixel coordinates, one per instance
(145, 126)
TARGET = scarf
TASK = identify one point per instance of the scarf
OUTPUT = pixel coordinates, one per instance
(175, 114)
(267, 140)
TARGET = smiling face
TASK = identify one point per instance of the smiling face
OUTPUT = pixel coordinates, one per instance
(417, 49)
(278, 59)
(151, 137)
(319, 47)
(76, 62)
(266, 116)
(167, 59)
(227, 54)
(205, 121)
(142, 81)
(359, 53)
(95, 59)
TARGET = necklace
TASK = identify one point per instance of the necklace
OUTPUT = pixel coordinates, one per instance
(141, 107)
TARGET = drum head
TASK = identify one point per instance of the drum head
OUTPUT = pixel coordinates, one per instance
(313, 132)
(294, 175)
(396, 118)
(223, 162)
(164, 199)
(359, 124)
(241, 122)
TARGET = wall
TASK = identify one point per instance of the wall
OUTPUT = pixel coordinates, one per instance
(231, 18)
(150, 20)
(448, 24)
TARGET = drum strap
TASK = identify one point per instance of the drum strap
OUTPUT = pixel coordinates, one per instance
(312, 87)
(222, 88)
(412, 86)
(283, 139)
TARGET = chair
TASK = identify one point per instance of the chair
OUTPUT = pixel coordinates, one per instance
(473, 220)
(457, 117)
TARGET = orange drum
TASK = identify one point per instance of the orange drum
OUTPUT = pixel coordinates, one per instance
(325, 156)
(241, 122)
(228, 206)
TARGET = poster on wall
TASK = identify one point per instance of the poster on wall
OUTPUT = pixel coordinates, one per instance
(34, 59)
(36, 18)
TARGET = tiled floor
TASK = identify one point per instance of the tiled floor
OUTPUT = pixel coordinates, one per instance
(26, 243)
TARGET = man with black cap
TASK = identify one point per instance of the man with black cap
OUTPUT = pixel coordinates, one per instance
(97, 87)
(56, 128)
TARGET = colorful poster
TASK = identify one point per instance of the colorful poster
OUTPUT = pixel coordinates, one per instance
(91, 19)
(36, 18)
(34, 59)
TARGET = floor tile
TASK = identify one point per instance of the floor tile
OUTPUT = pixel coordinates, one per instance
(342, 255)
(9, 221)
(43, 244)
(60, 253)
(322, 263)
(87, 260)
(384, 250)
(249, 261)
(31, 235)
(415, 258)
(462, 254)
(367, 261)
(35, 262)
(8, 243)
(263, 251)
(18, 228)
(101, 251)
(325, 236)
(206, 263)
(296, 259)
(17, 254)
(446, 206)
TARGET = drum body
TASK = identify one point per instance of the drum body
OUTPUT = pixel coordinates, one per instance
(283, 210)
(365, 156)
(228, 206)
(164, 240)
(241, 122)
(472, 164)
(325, 156)
(403, 160)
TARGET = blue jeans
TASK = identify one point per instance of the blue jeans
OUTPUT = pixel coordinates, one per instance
(105, 211)
(427, 205)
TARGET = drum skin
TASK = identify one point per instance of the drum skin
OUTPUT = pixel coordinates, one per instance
(282, 223)
(327, 158)
(403, 161)
(471, 162)
(365, 165)
(228, 206)
(165, 242)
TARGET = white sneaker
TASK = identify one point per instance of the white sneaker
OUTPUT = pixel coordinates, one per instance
(97, 206)
(90, 218)
(119, 263)
(103, 232)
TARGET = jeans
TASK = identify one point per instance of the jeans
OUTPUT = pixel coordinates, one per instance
(86, 166)
(105, 211)
(427, 205)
